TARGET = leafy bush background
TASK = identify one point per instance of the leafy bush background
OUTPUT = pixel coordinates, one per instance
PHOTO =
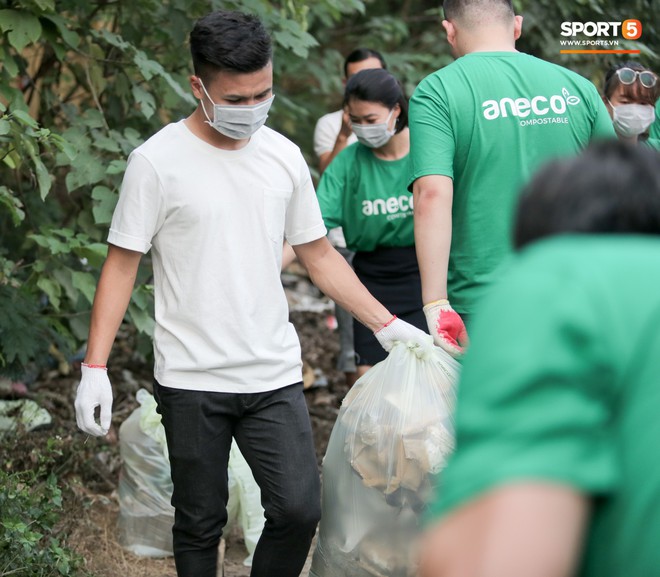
(84, 82)
(32, 539)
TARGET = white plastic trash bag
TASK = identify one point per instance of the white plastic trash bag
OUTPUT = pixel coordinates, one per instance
(145, 486)
(393, 435)
(244, 507)
(23, 413)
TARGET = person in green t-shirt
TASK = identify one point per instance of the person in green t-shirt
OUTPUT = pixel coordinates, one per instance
(364, 191)
(630, 92)
(556, 469)
(654, 132)
(479, 128)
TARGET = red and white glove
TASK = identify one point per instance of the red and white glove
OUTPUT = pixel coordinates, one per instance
(446, 327)
(94, 391)
(400, 331)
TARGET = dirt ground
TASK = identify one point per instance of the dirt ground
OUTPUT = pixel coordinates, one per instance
(89, 467)
(95, 538)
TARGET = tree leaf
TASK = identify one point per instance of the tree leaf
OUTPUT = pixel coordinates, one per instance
(105, 205)
(46, 5)
(85, 283)
(24, 118)
(52, 290)
(94, 253)
(9, 64)
(23, 27)
(145, 100)
(116, 167)
(13, 204)
(142, 319)
(69, 37)
(86, 169)
(44, 180)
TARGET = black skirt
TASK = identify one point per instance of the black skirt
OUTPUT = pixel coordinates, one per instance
(392, 276)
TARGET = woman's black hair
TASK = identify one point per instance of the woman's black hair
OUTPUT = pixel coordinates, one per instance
(378, 85)
(229, 40)
(611, 188)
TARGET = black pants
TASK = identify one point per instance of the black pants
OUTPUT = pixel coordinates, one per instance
(392, 276)
(274, 434)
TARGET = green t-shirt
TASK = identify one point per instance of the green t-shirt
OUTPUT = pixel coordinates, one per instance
(368, 198)
(653, 143)
(489, 120)
(562, 383)
(654, 131)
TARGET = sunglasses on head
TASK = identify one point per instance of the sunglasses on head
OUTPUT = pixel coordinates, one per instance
(628, 76)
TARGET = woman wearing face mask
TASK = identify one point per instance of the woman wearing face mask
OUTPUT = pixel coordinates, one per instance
(364, 190)
(630, 93)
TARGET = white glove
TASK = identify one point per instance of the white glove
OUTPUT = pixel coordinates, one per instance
(94, 391)
(401, 331)
(446, 327)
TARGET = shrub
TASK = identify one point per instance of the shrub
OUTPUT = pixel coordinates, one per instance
(30, 509)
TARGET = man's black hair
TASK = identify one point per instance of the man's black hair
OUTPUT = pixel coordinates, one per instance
(612, 187)
(458, 9)
(229, 40)
(360, 54)
(378, 85)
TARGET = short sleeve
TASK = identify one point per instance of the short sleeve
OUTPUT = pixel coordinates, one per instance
(331, 191)
(432, 143)
(325, 134)
(535, 397)
(140, 211)
(303, 221)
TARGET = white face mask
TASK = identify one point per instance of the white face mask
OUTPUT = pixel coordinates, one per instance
(374, 135)
(632, 119)
(237, 121)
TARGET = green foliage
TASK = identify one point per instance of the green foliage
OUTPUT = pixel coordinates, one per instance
(24, 331)
(30, 508)
(83, 83)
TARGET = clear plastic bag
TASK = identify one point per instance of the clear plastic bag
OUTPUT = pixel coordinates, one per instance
(145, 486)
(393, 435)
(244, 506)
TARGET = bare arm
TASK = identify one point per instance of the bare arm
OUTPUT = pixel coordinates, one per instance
(340, 143)
(519, 530)
(433, 196)
(113, 294)
(288, 256)
(331, 273)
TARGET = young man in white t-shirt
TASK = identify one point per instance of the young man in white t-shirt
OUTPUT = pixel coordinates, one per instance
(214, 196)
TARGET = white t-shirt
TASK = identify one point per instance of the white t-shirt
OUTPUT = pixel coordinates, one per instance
(216, 220)
(326, 132)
